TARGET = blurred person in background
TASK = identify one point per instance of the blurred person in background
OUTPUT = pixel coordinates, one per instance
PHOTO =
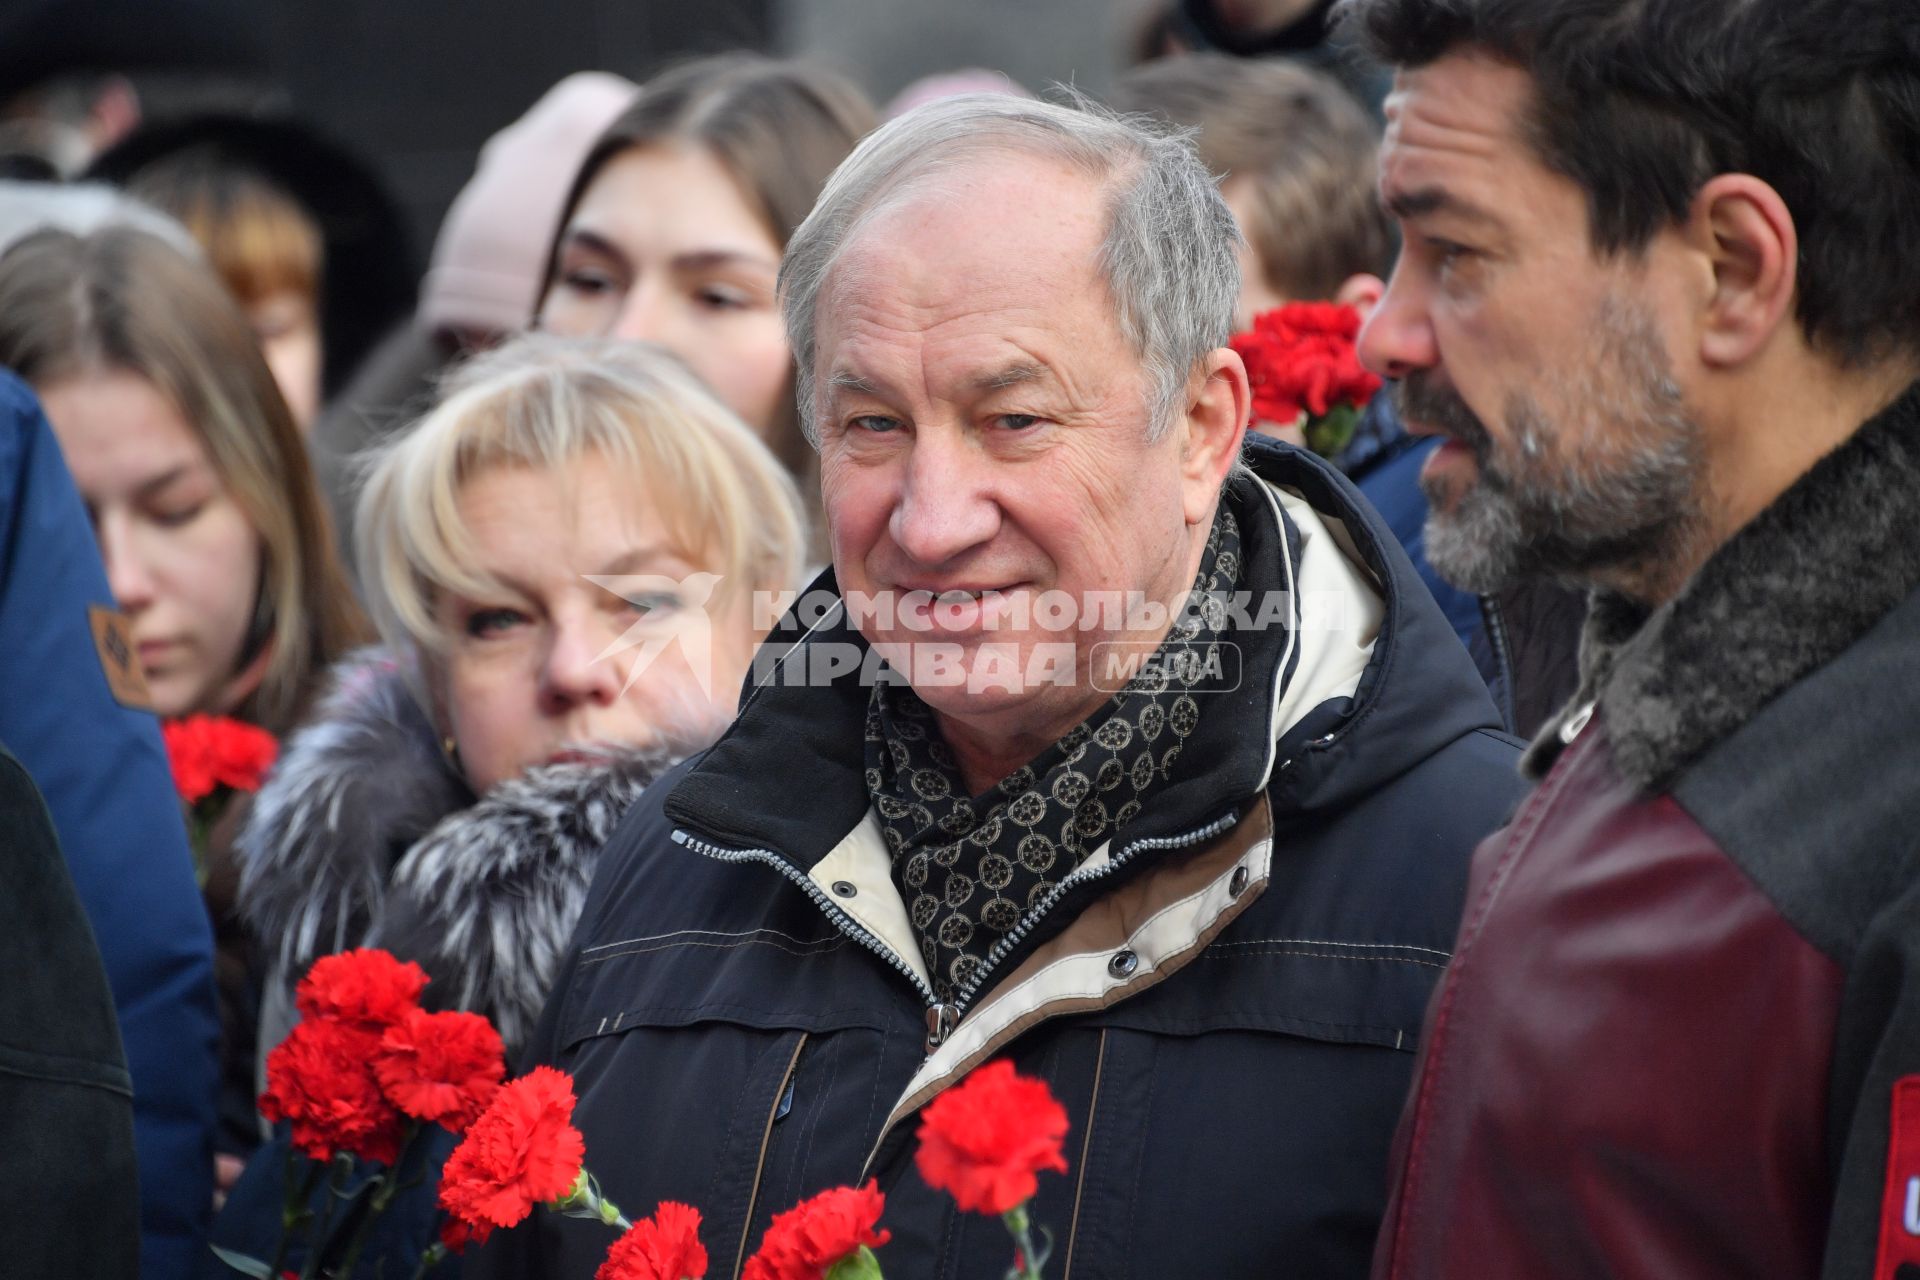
(449, 799)
(1297, 158)
(677, 220)
(78, 716)
(489, 268)
(214, 540)
(265, 248)
(243, 184)
(1300, 31)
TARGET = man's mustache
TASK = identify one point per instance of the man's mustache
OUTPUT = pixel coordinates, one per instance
(1418, 398)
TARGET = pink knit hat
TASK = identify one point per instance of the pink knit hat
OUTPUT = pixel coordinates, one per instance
(492, 248)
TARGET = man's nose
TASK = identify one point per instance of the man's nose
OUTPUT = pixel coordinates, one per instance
(574, 671)
(945, 508)
(1398, 336)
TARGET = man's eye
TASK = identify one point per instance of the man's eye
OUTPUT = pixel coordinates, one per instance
(874, 423)
(1018, 421)
(482, 623)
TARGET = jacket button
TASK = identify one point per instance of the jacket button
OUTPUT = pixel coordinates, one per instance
(844, 888)
(1238, 885)
(1123, 964)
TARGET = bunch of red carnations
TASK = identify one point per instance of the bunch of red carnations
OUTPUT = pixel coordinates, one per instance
(363, 1077)
(983, 1142)
(213, 759)
(1303, 363)
(367, 1072)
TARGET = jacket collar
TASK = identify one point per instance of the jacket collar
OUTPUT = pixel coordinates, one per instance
(1784, 596)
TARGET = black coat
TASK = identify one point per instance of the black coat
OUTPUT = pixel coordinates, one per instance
(69, 1198)
(1228, 1010)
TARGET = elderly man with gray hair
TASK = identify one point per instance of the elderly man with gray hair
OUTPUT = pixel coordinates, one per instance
(1104, 747)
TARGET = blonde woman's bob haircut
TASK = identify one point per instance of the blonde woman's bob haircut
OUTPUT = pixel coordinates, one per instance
(542, 402)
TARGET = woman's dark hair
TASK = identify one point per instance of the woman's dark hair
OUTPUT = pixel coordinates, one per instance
(121, 300)
(778, 127)
(1642, 102)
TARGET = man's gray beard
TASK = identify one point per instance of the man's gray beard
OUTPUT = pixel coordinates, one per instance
(1613, 503)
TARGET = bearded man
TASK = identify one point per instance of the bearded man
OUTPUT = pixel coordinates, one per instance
(1657, 292)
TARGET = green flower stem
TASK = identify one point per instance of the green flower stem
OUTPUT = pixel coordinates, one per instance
(1029, 1261)
(294, 1213)
(340, 1169)
(385, 1187)
(430, 1257)
(585, 1201)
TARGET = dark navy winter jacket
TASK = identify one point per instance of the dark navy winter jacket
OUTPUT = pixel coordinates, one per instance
(1226, 999)
(101, 767)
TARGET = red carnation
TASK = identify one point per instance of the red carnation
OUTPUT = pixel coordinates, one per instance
(367, 988)
(522, 1151)
(664, 1247)
(807, 1240)
(984, 1140)
(1302, 359)
(209, 751)
(320, 1080)
(441, 1067)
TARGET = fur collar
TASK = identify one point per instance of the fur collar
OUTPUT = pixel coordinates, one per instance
(1787, 594)
(364, 835)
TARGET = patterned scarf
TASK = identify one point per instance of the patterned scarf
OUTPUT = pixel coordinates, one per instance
(971, 869)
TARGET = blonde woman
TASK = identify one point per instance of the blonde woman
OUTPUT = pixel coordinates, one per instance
(561, 559)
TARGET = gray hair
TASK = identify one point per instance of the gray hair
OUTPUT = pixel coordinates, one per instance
(1171, 253)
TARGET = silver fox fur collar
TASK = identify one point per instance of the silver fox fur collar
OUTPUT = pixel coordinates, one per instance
(1787, 594)
(363, 835)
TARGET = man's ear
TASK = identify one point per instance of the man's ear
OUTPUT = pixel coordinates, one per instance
(1216, 422)
(1361, 292)
(1746, 233)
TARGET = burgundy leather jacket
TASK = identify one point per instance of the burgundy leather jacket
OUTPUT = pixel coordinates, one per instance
(1686, 990)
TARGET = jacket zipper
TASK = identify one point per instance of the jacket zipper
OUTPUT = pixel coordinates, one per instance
(942, 1018)
(1001, 949)
(841, 919)
(760, 1167)
(1496, 624)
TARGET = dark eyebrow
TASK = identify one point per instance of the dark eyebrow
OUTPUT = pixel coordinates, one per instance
(710, 259)
(1426, 201)
(593, 242)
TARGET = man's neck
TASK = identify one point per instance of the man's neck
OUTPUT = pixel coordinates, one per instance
(1760, 441)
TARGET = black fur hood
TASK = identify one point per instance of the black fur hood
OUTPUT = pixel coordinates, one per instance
(364, 835)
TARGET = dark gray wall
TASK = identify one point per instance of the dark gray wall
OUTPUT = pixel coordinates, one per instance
(418, 85)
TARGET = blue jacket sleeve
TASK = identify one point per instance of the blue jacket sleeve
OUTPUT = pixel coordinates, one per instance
(104, 774)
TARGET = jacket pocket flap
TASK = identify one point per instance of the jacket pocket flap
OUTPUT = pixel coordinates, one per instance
(762, 978)
(1337, 991)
